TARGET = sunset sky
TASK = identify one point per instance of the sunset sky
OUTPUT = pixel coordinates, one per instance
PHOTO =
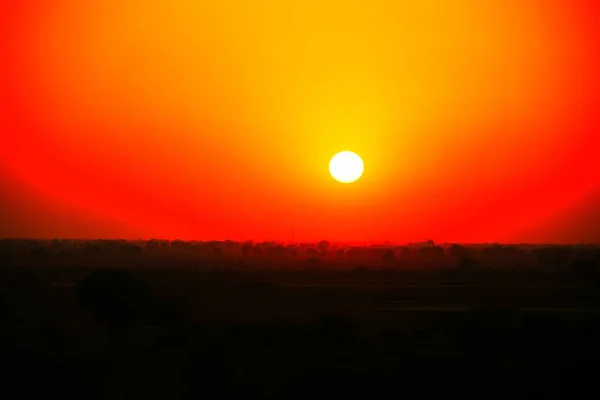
(476, 120)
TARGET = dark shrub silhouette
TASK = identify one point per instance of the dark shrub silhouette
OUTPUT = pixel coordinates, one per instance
(114, 298)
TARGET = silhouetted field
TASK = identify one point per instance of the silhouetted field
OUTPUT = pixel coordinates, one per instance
(183, 320)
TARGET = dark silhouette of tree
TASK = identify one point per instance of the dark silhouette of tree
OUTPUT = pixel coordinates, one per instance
(432, 252)
(513, 251)
(131, 249)
(323, 246)
(152, 244)
(458, 251)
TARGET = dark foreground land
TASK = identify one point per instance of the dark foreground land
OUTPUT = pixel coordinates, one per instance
(175, 320)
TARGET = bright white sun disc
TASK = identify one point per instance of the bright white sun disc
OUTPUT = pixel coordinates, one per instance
(346, 167)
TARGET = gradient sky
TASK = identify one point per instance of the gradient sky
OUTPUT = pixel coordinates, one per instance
(477, 120)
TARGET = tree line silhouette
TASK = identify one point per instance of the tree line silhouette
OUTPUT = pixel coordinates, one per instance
(582, 259)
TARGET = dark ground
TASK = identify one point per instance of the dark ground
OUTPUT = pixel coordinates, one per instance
(217, 326)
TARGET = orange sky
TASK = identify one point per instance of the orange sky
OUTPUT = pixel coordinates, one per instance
(476, 120)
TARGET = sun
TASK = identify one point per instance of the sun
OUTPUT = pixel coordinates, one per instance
(346, 167)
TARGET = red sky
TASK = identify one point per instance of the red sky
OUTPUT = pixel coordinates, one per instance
(477, 121)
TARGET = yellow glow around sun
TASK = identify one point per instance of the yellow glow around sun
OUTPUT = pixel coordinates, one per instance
(346, 167)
